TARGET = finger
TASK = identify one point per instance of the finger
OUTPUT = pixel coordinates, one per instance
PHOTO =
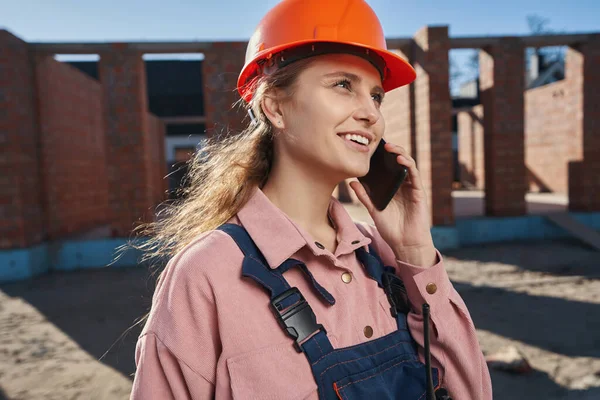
(396, 149)
(405, 159)
(413, 172)
(362, 195)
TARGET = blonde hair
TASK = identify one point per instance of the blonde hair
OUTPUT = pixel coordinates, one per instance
(220, 179)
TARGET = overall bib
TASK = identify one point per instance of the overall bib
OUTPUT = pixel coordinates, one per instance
(382, 369)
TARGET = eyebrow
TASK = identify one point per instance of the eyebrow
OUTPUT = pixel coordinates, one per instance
(355, 78)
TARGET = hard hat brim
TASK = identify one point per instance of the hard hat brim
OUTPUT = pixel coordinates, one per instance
(398, 71)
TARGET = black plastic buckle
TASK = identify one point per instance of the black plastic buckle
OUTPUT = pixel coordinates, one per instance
(396, 293)
(298, 320)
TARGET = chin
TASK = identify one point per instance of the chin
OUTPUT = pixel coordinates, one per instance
(355, 172)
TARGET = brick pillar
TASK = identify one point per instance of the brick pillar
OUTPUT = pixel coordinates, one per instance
(502, 77)
(583, 85)
(433, 120)
(123, 77)
(21, 190)
(220, 70)
(470, 151)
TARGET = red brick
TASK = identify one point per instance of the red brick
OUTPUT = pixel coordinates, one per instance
(583, 91)
(133, 159)
(502, 77)
(73, 150)
(432, 110)
(221, 67)
(23, 217)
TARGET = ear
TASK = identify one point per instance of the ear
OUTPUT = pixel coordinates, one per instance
(272, 107)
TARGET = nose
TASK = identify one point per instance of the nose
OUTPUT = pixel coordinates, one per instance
(366, 110)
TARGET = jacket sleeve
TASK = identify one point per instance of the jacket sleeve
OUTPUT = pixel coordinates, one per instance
(161, 375)
(180, 345)
(454, 346)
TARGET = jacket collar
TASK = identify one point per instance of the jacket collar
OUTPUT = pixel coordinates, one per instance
(279, 238)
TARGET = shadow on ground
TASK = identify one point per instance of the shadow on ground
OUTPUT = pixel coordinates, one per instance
(94, 308)
(536, 385)
(563, 257)
(551, 323)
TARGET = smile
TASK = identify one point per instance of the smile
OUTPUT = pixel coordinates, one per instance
(356, 142)
(357, 139)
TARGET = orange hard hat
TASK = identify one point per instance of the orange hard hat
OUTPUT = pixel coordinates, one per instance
(296, 29)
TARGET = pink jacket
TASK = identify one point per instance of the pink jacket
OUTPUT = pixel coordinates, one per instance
(210, 333)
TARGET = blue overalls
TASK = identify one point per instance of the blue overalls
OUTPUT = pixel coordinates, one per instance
(384, 368)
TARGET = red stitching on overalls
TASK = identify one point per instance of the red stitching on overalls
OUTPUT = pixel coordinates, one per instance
(335, 388)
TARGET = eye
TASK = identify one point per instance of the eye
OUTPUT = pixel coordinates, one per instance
(343, 83)
(378, 97)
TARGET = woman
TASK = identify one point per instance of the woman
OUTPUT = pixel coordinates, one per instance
(271, 291)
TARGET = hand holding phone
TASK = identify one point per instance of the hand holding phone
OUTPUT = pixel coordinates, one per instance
(384, 177)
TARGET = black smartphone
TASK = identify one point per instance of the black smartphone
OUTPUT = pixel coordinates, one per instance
(384, 177)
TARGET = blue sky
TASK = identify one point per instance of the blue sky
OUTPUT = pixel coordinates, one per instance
(129, 20)
(113, 20)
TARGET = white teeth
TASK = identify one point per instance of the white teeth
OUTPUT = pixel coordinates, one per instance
(357, 138)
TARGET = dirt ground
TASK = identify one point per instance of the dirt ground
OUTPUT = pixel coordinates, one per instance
(542, 297)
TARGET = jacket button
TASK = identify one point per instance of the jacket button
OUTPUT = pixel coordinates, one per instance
(431, 288)
(368, 331)
(347, 277)
(319, 245)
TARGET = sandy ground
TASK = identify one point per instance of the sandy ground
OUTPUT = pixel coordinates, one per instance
(542, 297)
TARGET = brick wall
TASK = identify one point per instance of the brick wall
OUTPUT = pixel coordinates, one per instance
(399, 118)
(583, 76)
(220, 70)
(551, 140)
(548, 126)
(502, 77)
(21, 210)
(72, 149)
(123, 77)
(470, 147)
(433, 121)
(156, 160)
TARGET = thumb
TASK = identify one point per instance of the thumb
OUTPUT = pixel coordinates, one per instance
(363, 197)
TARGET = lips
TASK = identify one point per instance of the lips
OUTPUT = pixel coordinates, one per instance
(356, 138)
(354, 145)
(361, 137)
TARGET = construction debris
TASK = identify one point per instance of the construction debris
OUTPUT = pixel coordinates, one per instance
(509, 359)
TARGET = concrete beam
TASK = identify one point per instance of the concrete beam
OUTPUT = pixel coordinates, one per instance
(466, 42)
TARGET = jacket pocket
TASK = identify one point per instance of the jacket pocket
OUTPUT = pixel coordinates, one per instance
(276, 372)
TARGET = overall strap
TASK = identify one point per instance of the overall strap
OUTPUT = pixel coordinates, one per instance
(386, 278)
(290, 308)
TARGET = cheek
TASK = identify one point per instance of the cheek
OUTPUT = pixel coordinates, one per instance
(319, 115)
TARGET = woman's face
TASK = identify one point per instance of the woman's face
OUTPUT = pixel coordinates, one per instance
(332, 123)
